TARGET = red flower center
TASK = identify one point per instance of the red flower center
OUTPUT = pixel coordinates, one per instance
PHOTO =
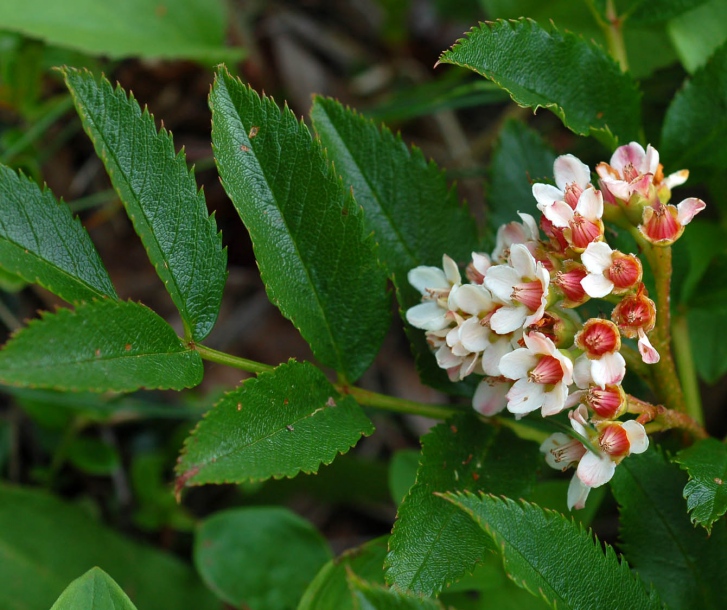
(583, 231)
(548, 371)
(625, 271)
(529, 294)
(599, 337)
(614, 441)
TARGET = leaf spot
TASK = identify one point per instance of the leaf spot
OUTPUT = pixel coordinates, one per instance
(253, 131)
(244, 148)
(468, 460)
(289, 428)
(128, 347)
(330, 402)
(718, 481)
(475, 476)
(239, 406)
(98, 353)
(160, 10)
(453, 428)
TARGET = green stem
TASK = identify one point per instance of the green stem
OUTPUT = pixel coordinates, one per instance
(686, 368)
(657, 418)
(613, 31)
(398, 405)
(243, 364)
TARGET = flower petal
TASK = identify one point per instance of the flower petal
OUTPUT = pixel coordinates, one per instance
(546, 194)
(577, 493)
(560, 214)
(568, 169)
(501, 280)
(451, 271)
(595, 470)
(474, 336)
(676, 178)
(518, 363)
(597, 257)
(632, 153)
(651, 161)
(522, 261)
(648, 352)
(508, 319)
(608, 369)
(688, 209)
(473, 299)
(554, 400)
(590, 204)
(493, 355)
(637, 436)
(596, 285)
(424, 277)
(530, 226)
(582, 372)
(525, 397)
(490, 397)
(427, 316)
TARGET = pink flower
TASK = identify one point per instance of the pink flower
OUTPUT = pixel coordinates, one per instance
(522, 287)
(541, 373)
(572, 177)
(609, 270)
(525, 232)
(662, 224)
(581, 225)
(601, 363)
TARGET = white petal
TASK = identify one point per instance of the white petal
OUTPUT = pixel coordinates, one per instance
(525, 397)
(546, 194)
(676, 178)
(575, 398)
(597, 257)
(608, 369)
(427, 316)
(595, 470)
(554, 441)
(492, 356)
(596, 285)
(688, 209)
(508, 319)
(651, 161)
(560, 214)
(428, 277)
(554, 401)
(481, 262)
(474, 336)
(632, 153)
(518, 363)
(446, 359)
(590, 204)
(501, 279)
(530, 226)
(522, 261)
(568, 169)
(473, 299)
(577, 493)
(618, 188)
(490, 397)
(538, 343)
(582, 372)
(648, 353)
(451, 271)
(637, 436)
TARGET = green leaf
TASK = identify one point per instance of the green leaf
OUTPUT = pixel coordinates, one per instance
(520, 158)
(695, 127)
(260, 558)
(95, 590)
(708, 347)
(330, 588)
(642, 11)
(93, 456)
(276, 425)
(192, 29)
(307, 232)
(574, 78)
(697, 34)
(46, 543)
(684, 563)
(160, 196)
(41, 242)
(554, 557)
(402, 473)
(433, 543)
(375, 597)
(412, 211)
(101, 346)
(706, 464)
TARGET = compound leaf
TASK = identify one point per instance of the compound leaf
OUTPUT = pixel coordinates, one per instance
(95, 590)
(276, 425)
(552, 556)
(101, 346)
(433, 543)
(684, 563)
(560, 71)
(41, 242)
(706, 464)
(161, 198)
(307, 232)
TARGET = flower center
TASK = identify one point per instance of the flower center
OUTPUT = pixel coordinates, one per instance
(529, 294)
(614, 441)
(661, 225)
(625, 271)
(630, 172)
(548, 371)
(607, 402)
(572, 193)
(583, 231)
(570, 283)
(599, 337)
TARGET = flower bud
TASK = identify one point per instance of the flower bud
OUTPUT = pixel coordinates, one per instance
(598, 337)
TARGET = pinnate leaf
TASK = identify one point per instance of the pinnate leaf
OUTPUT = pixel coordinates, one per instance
(101, 346)
(161, 198)
(314, 253)
(41, 242)
(276, 425)
(95, 590)
(706, 464)
(261, 558)
(554, 557)
(560, 71)
(408, 205)
(683, 562)
(695, 127)
(433, 543)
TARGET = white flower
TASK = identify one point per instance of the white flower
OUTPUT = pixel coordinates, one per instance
(608, 270)
(435, 285)
(541, 373)
(490, 396)
(572, 177)
(515, 233)
(522, 287)
(608, 369)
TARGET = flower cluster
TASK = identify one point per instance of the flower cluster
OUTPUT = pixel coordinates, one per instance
(515, 321)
